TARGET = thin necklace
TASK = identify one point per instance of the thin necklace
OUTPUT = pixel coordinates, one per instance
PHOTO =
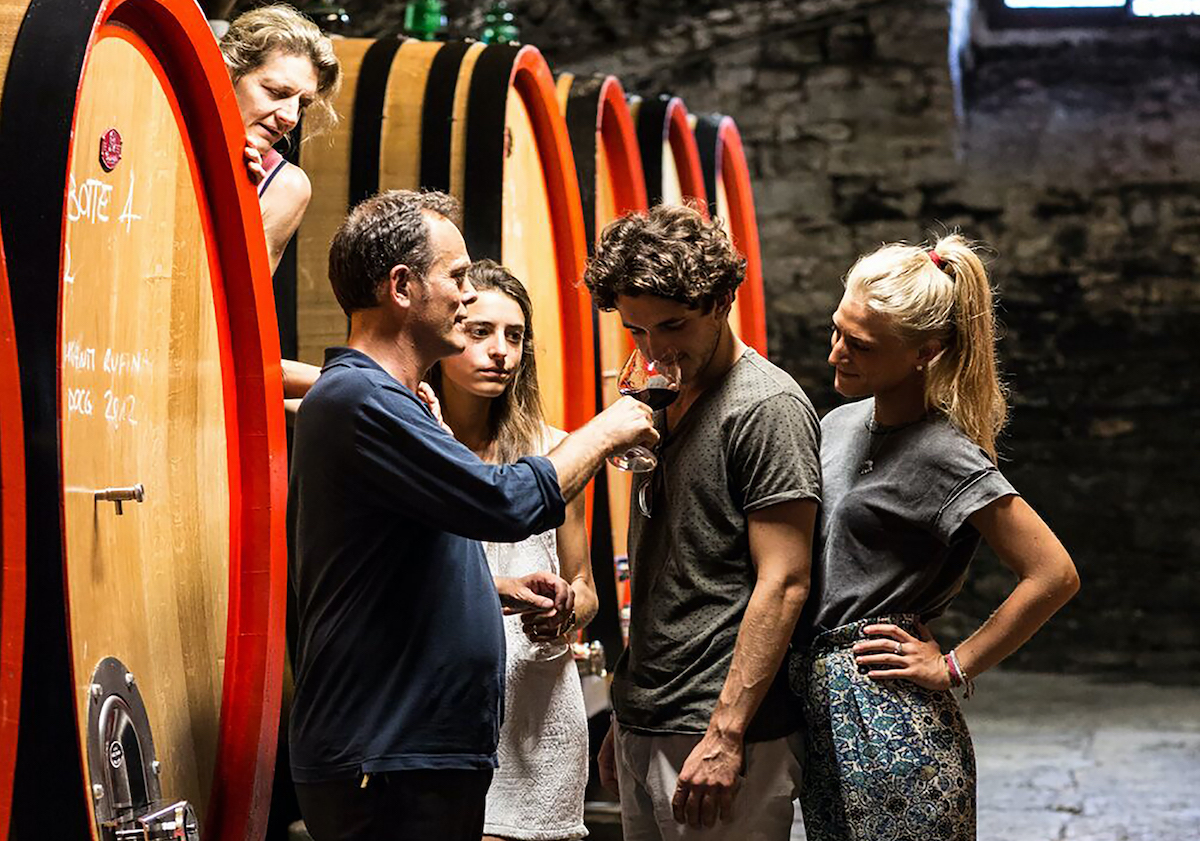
(879, 436)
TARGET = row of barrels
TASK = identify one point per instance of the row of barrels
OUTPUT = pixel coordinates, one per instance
(142, 439)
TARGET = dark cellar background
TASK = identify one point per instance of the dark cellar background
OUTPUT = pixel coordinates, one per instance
(1074, 154)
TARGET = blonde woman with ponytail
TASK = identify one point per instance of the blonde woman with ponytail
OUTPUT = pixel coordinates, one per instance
(910, 487)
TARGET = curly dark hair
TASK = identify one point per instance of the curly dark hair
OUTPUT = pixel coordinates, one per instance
(386, 230)
(672, 252)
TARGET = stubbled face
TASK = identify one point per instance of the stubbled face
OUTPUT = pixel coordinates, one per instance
(439, 301)
(866, 354)
(273, 96)
(495, 337)
(662, 329)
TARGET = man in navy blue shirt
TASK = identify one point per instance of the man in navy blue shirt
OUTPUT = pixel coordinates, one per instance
(400, 653)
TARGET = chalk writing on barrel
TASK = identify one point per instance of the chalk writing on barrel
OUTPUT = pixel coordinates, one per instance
(127, 215)
(79, 357)
(67, 276)
(123, 362)
(88, 200)
(119, 409)
(79, 401)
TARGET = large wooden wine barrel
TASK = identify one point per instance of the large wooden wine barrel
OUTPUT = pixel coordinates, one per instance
(670, 157)
(481, 123)
(12, 551)
(611, 184)
(730, 197)
(149, 373)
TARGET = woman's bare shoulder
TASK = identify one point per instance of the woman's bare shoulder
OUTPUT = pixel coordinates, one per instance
(291, 188)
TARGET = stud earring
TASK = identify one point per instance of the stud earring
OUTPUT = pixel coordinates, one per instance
(920, 367)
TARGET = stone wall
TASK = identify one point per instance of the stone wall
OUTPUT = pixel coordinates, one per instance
(1074, 157)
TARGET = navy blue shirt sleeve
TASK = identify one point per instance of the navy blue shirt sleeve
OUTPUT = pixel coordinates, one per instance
(423, 472)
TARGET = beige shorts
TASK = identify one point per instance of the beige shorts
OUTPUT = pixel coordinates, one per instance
(648, 767)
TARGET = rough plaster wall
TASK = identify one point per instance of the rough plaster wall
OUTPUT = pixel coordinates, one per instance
(1075, 159)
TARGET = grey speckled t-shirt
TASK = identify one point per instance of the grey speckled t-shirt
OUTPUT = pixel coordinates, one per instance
(894, 538)
(749, 442)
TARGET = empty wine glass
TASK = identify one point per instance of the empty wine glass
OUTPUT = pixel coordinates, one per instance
(655, 382)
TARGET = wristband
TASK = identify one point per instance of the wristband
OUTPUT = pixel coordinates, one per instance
(955, 678)
(962, 674)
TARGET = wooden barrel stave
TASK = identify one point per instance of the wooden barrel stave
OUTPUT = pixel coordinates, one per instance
(402, 128)
(189, 158)
(670, 158)
(731, 198)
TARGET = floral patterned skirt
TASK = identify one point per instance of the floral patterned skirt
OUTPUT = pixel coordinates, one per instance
(884, 760)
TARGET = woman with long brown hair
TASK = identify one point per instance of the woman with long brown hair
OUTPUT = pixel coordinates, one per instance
(489, 399)
(910, 487)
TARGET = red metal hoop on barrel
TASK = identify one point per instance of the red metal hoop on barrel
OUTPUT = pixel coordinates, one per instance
(730, 196)
(12, 551)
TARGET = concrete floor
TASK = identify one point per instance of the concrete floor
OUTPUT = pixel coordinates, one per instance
(1084, 760)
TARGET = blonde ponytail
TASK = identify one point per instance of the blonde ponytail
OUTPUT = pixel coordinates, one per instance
(943, 293)
(964, 380)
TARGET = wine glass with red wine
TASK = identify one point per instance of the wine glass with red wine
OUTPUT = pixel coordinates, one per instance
(656, 383)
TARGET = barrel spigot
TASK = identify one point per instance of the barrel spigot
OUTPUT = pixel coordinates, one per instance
(117, 496)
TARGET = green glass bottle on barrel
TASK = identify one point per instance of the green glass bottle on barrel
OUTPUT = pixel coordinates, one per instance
(499, 25)
(424, 20)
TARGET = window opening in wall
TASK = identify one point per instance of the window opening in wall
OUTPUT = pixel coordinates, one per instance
(1065, 4)
(1164, 8)
(1086, 12)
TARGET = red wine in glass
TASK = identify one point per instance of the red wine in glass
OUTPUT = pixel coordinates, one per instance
(655, 383)
(655, 398)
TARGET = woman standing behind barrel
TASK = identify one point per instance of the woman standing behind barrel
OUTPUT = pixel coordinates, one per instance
(282, 68)
(910, 487)
(489, 398)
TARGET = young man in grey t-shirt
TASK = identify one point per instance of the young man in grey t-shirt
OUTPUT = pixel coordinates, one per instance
(720, 540)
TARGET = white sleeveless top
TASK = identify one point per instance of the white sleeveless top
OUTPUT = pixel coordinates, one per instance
(537, 792)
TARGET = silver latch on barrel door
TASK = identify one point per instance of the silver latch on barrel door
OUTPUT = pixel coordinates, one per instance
(125, 774)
